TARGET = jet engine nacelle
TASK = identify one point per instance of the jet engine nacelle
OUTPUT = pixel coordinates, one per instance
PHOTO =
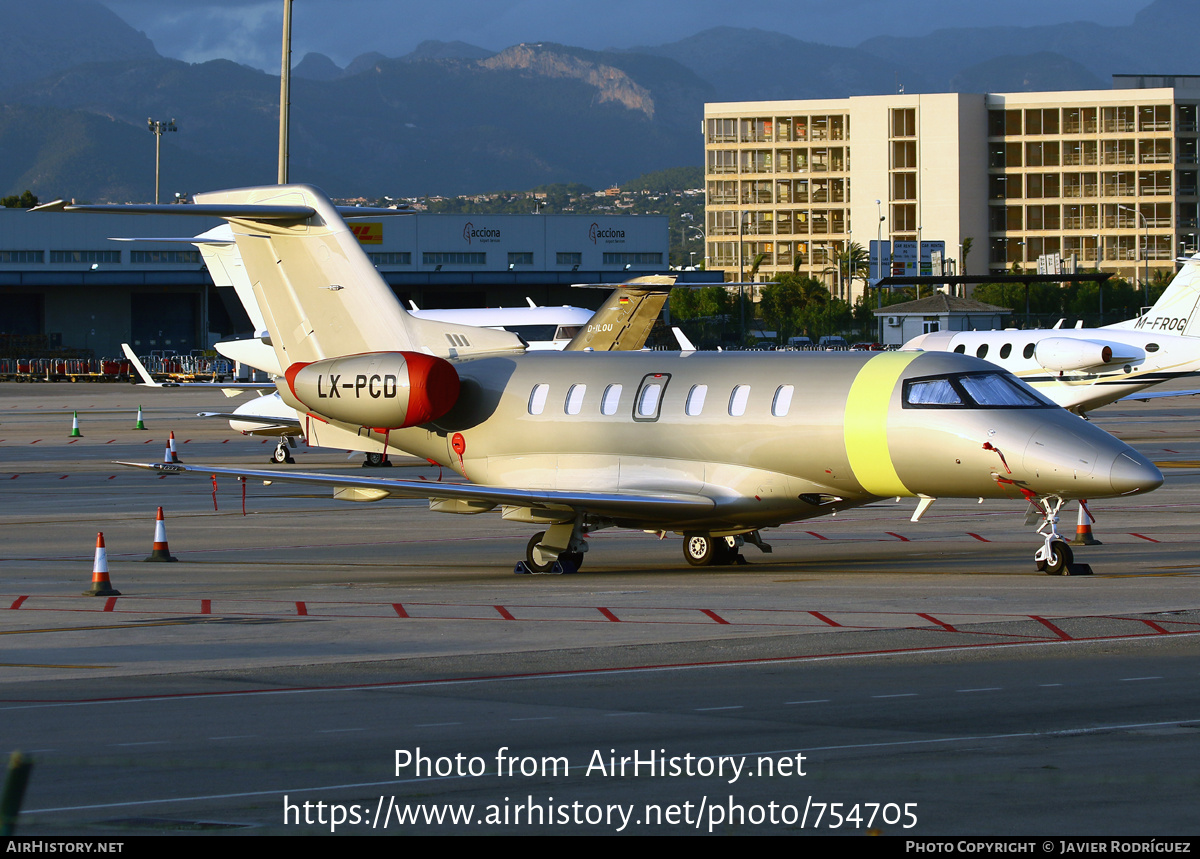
(1064, 353)
(380, 390)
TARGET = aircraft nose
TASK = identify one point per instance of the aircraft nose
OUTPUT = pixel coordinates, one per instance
(1132, 473)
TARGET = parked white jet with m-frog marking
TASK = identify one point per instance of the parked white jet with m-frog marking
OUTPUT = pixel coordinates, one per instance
(1084, 368)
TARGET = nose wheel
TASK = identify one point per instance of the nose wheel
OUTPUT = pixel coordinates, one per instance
(1055, 557)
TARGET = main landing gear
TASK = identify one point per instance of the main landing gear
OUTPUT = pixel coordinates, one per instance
(703, 550)
(1055, 557)
(377, 460)
(557, 551)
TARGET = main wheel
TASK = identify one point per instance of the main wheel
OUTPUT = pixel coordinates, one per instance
(725, 552)
(529, 559)
(374, 460)
(1060, 558)
(700, 550)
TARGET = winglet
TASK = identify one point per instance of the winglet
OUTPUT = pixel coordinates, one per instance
(147, 379)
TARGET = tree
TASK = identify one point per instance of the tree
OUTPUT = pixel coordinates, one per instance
(966, 249)
(853, 262)
(24, 201)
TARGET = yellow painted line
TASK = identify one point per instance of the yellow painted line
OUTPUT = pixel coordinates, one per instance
(865, 423)
(1179, 463)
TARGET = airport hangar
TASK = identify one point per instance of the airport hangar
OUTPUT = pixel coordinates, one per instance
(66, 287)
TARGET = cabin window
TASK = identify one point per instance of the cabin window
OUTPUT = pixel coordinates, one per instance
(695, 400)
(981, 352)
(934, 392)
(960, 348)
(737, 400)
(610, 400)
(649, 397)
(1151, 347)
(574, 401)
(537, 399)
(782, 401)
(1005, 350)
(1028, 350)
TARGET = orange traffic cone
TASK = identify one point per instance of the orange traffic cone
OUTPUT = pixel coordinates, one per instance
(1083, 530)
(171, 448)
(160, 552)
(101, 586)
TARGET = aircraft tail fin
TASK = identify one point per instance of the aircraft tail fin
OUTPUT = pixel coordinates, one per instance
(319, 294)
(624, 320)
(1177, 310)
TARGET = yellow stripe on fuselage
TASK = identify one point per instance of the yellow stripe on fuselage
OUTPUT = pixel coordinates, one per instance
(865, 426)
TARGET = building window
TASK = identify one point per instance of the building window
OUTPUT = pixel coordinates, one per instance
(395, 258)
(568, 258)
(633, 259)
(904, 122)
(169, 257)
(520, 258)
(22, 256)
(453, 258)
(85, 256)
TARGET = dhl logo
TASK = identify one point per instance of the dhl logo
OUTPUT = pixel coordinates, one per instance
(368, 234)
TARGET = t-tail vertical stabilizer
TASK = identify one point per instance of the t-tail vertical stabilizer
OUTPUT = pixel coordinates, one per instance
(307, 268)
(1177, 310)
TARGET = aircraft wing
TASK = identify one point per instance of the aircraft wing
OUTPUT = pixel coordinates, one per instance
(616, 504)
(265, 420)
(1156, 395)
(148, 380)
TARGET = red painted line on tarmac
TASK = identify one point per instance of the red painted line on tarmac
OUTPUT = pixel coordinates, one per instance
(301, 609)
(224, 441)
(147, 441)
(109, 604)
(940, 623)
(112, 477)
(1144, 537)
(72, 441)
(815, 534)
(186, 440)
(110, 441)
(400, 612)
(17, 602)
(898, 536)
(608, 614)
(35, 441)
(825, 620)
(977, 537)
(64, 477)
(14, 477)
(1051, 627)
(503, 612)
(714, 615)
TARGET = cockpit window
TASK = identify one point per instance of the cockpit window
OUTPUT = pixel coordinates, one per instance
(931, 392)
(972, 390)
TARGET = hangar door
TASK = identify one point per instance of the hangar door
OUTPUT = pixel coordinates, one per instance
(164, 320)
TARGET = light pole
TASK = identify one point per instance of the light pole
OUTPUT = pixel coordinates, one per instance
(285, 86)
(157, 127)
(1145, 253)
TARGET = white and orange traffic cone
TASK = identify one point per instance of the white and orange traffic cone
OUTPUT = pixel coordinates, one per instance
(171, 447)
(75, 433)
(101, 586)
(160, 552)
(1083, 530)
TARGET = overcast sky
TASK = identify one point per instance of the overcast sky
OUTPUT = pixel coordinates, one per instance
(248, 31)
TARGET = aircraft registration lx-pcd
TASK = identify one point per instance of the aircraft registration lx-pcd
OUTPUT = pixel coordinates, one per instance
(713, 446)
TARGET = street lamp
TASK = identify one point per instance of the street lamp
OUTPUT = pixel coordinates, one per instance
(1145, 252)
(157, 127)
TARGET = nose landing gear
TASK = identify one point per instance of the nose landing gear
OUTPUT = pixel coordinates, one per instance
(1055, 557)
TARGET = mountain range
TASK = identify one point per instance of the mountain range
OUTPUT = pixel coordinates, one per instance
(450, 118)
